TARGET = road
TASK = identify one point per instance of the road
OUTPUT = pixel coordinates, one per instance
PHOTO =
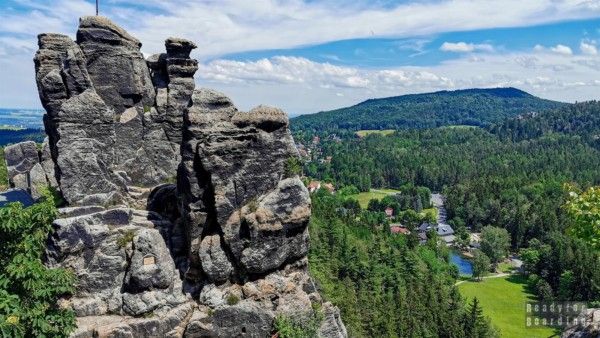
(437, 200)
(486, 277)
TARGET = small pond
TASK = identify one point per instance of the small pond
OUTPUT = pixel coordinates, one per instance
(465, 267)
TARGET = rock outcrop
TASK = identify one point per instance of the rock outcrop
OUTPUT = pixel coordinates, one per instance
(222, 252)
(587, 325)
(30, 169)
(114, 119)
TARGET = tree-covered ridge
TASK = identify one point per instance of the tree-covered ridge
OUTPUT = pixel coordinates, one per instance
(9, 136)
(477, 107)
(581, 119)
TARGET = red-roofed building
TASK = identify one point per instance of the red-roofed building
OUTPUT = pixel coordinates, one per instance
(399, 229)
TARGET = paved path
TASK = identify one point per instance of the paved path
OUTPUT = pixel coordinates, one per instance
(486, 277)
(437, 200)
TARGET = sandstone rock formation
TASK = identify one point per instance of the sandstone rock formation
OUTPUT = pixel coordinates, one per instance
(220, 254)
(30, 169)
(587, 325)
(114, 119)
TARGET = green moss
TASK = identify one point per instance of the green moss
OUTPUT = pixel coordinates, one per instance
(232, 299)
(253, 205)
(126, 238)
(287, 327)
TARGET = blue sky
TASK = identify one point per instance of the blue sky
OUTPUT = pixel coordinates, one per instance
(307, 56)
(425, 50)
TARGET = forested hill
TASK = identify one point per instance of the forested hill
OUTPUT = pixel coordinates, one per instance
(478, 107)
(581, 119)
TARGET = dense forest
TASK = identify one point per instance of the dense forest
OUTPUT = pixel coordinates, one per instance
(487, 178)
(515, 174)
(386, 285)
(10, 136)
(476, 107)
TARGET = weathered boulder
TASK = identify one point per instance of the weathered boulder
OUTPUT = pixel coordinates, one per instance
(28, 168)
(332, 326)
(587, 325)
(170, 323)
(120, 259)
(215, 263)
(20, 159)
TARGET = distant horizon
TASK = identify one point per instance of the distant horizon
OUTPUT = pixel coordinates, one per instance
(291, 115)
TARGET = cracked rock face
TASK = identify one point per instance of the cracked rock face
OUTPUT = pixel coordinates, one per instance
(222, 252)
(114, 119)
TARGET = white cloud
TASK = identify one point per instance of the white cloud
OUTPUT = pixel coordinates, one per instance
(463, 47)
(300, 85)
(229, 26)
(549, 75)
(562, 49)
(588, 48)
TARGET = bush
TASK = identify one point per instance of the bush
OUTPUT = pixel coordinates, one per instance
(29, 291)
(544, 290)
(290, 328)
(293, 167)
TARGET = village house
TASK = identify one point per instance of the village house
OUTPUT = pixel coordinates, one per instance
(314, 186)
(443, 230)
(329, 187)
(389, 212)
(397, 228)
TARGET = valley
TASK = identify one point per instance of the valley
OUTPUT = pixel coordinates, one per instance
(512, 173)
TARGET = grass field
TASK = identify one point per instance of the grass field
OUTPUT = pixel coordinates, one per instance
(364, 197)
(503, 300)
(431, 211)
(363, 133)
(505, 267)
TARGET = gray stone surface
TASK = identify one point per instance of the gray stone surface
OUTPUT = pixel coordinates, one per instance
(122, 264)
(232, 182)
(29, 168)
(20, 159)
(220, 254)
(37, 180)
(213, 258)
(588, 325)
(332, 326)
(113, 128)
(242, 320)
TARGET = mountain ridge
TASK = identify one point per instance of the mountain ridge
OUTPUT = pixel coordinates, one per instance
(475, 106)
